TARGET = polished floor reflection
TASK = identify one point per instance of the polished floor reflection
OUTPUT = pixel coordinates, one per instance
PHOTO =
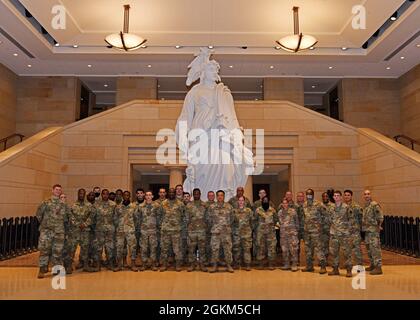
(398, 282)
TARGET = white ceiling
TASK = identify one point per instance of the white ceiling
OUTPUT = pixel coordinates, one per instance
(224, 24)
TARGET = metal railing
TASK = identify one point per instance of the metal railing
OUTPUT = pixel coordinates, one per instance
(18, 236)
(400, 138)
(5, 140)
(401, 235)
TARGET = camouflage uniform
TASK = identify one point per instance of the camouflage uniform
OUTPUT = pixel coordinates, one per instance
(105, 230)
(125, 230)
(301, 218)
(208, 205)
(255, 206)
(342, 223)
(196, 221)
(158, 249)
(356, 232)
(242, 234)
(313, 215)
(372, 219)
(148, 216)
(289, 232)
(265, 222)
(53, 217)
(325, 228)
(81, 223)
(221, 219)
(234, 202)
(172, 217)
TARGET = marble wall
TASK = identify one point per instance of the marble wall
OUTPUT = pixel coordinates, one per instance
(289, 89)
(8, 82)
(410, 104)
(132, 88)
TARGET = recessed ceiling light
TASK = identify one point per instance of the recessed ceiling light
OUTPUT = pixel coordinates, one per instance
(402, 58)
(313, 87)
(143, 46)
(271, 67)
(105, 85)
(75, 46)
(231, 67)
(394, 16)
(277, 47)
(158, 85)
(256, 99)
(418, 46)
(15, 54)
(57, 44)
(149, 65)
(330, 68)
(388, 68)
(29, 66)
(89, 66)
(177, 47)
(210, 47)
(312, 48)
(344, 48)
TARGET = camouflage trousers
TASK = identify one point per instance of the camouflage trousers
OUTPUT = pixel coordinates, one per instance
(325, 242)
(373, 245)
(223, 240)
(266, 242)
(289, 242)
(357, 250)
(197, 240)
(126, 239)
(312, 247)
(50, 244)
(73, 239)
(170, 239)
(242, 245)
(148, 241)
(104, 241)
(184, 245)
(344, 242)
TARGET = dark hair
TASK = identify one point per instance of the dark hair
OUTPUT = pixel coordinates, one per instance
(338, 192)
(312, 190)
(103, 190)
(126, 191)
(348, 191)
(197, 189)
(111, 193)
(97, 188)
(262, 189)
(118, 190)
(81, 189)
(218, 191)
(186, 193)
(243, 197)
(140, 190)
(57, 186)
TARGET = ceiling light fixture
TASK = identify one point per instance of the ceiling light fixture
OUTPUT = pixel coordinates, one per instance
(149, 65)
(124, 40)
(29, 66)
(177, 47)
(344, 48)
(231, 67)
(298, 41)
(105, 85)
(57, 44)
(394, 16)
(402, 58)
(75, 46)
(15, 54)
(211, 47)
(330, 68)
(388, 68)
(89, 66)
(271, 67)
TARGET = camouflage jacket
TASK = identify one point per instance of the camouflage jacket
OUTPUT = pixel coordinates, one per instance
(372, 217)
(289, 220)
(326, 219)
(196, 216)
(301, 217)
(172, 215)
(148, 217)
(313, 215)
(82, 214)
(265, 221)
(53, 215)
(234, 202)
(124, 218)
(243, 222)
(104, 221)
(221, 218)
(357, 216)
(341, 220)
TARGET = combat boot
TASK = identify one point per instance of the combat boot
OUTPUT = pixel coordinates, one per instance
(236, 266)
(229, 268)
(349, 274)
(294, 268)
(285, 267)
(125, 263)
(323, 269)
(133, 266)
(154, 266)
(260, 265)
(376, 271)
(118, 266)
(203, 267)
(334, 272)
(42, 272)
(308, 269)
(213, 268)
(142, 267)
(110, 265)
(271, 265)
(370, 268)
(178, 265)
(247, 267)
(164, 267)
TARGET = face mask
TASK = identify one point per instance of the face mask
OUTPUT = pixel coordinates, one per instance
(310, 197)
(265, 205)
(126, 202)
(97, 194)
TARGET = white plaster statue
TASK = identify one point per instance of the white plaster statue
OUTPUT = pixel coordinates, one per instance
(209, 106)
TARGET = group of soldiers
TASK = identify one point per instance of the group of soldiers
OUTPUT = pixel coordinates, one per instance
(202, 235)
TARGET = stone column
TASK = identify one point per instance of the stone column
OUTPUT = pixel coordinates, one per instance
(248, 189)
(290, 89)
(176, 175)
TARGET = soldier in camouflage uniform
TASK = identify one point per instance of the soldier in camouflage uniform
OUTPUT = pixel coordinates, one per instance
(342, 223)
(265, 219)
(125, 232)
(289, 231)
(356, 232)
(196, 221)
(234, 200)
(325, 229)
(162, 197)
(261, 193)
(221, 219)
(300, 201)
(209, 203)
(242, 233)
(372, 226)
(313, 215)
(105, 230)
(172, 217)
(92, 238)
(148, 216)
(81, 220)
(53, 217)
